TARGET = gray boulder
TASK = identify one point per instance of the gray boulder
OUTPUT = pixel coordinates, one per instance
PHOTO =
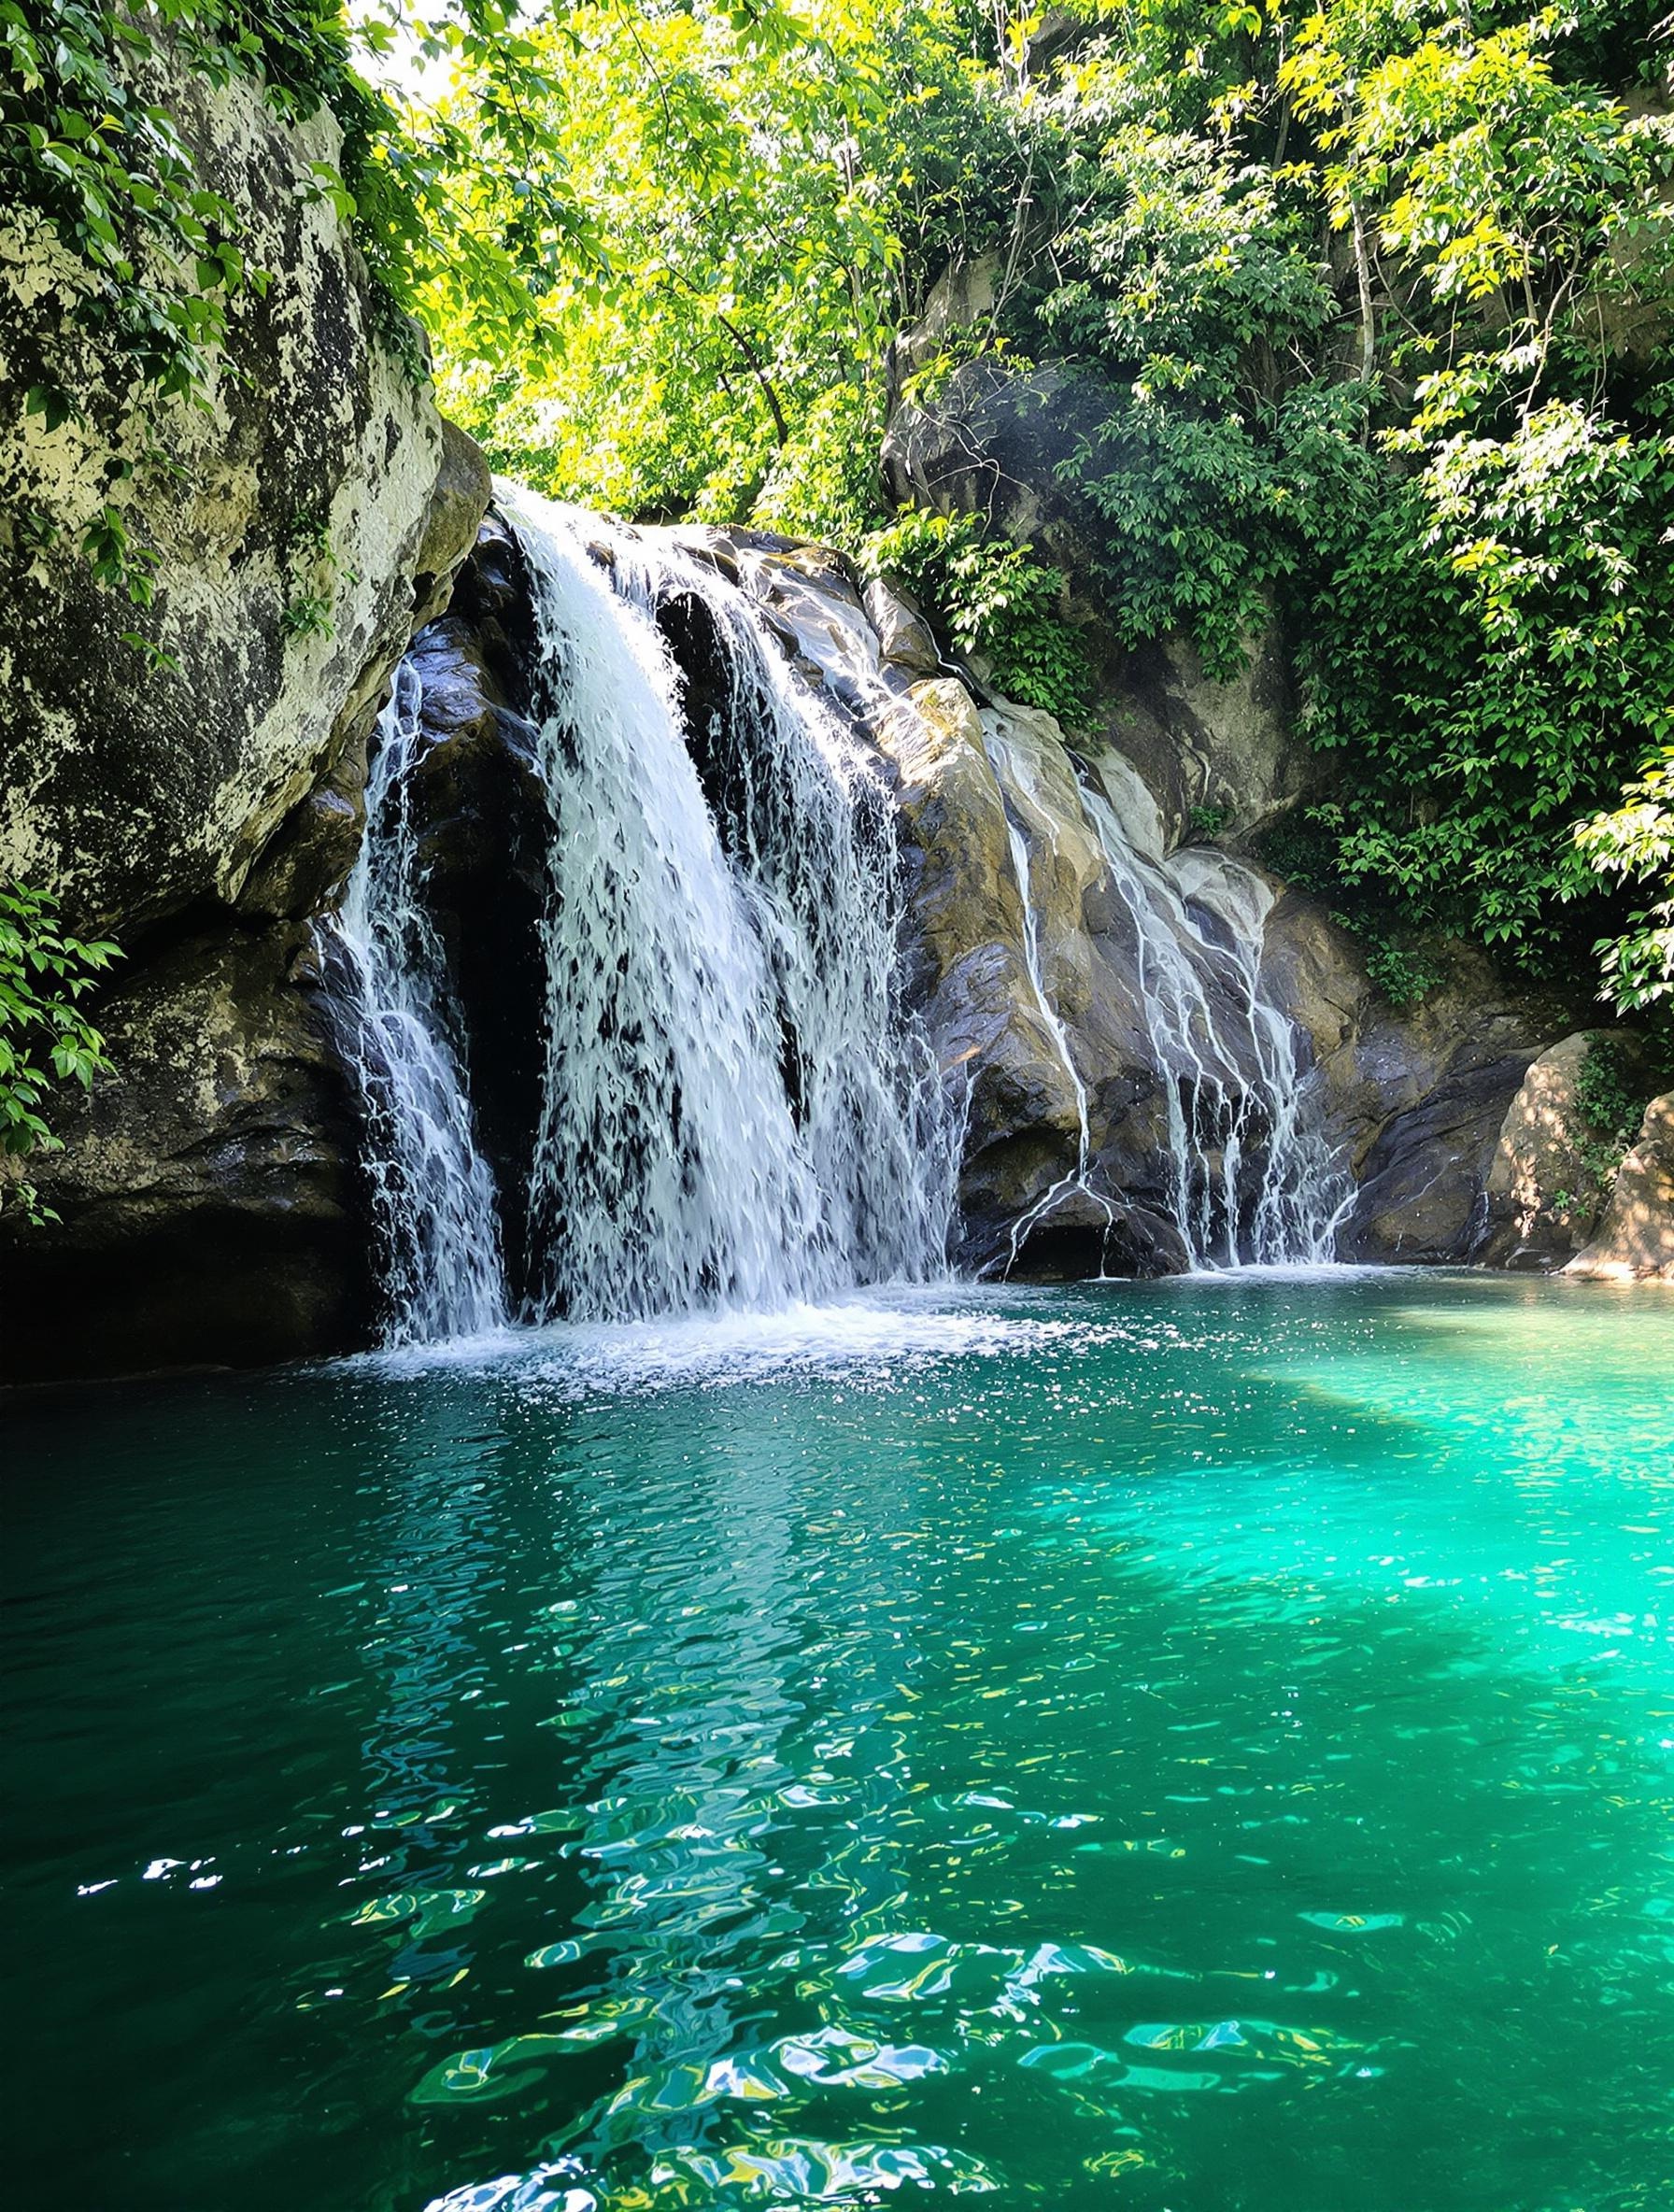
(1550, 1180)
(209, 1201)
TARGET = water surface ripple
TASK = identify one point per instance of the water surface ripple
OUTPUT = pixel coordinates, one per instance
(1200, 1746)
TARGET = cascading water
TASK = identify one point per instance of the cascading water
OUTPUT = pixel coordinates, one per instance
(735, 1108)
(1252, 1179)
(1012, 775)
(1255, 1178)
(433, 1194)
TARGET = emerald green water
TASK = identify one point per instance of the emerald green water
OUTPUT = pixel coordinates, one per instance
(1204, 1747)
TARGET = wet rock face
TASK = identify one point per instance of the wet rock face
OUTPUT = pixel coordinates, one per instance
(479, 802)
(1418, 1098)
(210, 1208)
(997, 1036)
(1635, 1237)
(1017, 1011)
(1420, 1102)
(1422, 1195)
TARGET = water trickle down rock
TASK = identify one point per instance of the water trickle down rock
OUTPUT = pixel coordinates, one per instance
(1137, 1101)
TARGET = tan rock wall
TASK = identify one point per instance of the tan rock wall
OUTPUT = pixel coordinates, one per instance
(1636, 1239)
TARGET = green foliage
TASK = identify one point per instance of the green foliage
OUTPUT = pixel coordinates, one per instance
(1363, 310)
(997, 601)
(315, 572)
(1611, 1101)
(83, 145)
(44, 1036)
(88, 149)
(1207, 822)
(1635, 842)
(1306, 847)
(1399, 970)
(1186, 289)
(1441, 456)
(1490, 654)
(725, 360)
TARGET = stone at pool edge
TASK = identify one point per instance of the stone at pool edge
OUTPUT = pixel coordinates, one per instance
(1636, 1240)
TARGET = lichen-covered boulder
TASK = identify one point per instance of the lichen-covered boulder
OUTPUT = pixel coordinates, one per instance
(201, 798)
(299, 528)
(209, 1211)
(1636, 1239)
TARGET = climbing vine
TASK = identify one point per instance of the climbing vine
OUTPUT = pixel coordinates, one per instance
(44, 1037)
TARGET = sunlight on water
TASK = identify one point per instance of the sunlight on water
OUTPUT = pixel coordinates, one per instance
(1194, 1746)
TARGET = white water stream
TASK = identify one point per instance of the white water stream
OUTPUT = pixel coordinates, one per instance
(735, 1108)
(1255, 1181)
(432, 1195)
(1010, 774)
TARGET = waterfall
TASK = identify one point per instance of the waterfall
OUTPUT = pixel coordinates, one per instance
(727, 1102)
(1251, 1177)
(736, 1107)
(1255, 1178)
(432, 1196)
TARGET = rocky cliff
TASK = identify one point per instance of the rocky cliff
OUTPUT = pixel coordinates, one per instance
(1042, 890)
(1456, 1118)
(186, 777)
